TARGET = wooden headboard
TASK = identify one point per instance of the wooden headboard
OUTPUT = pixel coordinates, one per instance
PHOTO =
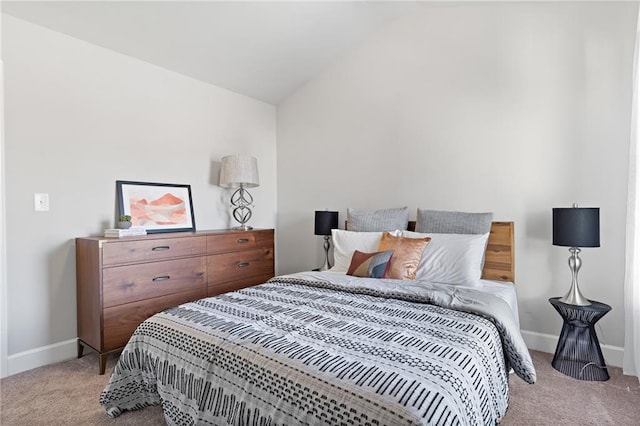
(499, 257)
(499, 261)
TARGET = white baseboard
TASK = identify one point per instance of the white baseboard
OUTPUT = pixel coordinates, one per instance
(613, 355)
(50, 354)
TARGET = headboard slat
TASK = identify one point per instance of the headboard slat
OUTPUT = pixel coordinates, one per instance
(499, 263)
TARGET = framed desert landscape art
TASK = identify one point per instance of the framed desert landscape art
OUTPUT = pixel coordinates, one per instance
(156, 207)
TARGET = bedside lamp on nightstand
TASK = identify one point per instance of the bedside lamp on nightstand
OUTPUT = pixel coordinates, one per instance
(576, 227)
(325, 221)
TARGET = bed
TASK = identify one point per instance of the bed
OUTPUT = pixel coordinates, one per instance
(336, 349)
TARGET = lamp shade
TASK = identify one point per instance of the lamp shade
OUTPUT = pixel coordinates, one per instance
(325, 222)
(576, 227)
(239, 170)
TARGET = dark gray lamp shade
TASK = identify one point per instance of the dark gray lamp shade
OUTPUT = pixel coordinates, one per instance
(325, 222)
(576, 227)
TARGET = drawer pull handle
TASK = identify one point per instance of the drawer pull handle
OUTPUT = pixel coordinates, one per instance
(243, 264)
(160, 248)
(161, 278)
(243, 240)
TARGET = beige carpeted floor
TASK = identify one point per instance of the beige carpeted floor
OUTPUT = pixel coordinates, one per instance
(67, 394)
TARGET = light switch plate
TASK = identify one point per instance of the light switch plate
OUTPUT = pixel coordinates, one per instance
(41, 202)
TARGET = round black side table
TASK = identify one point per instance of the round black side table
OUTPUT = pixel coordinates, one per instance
(578, 352)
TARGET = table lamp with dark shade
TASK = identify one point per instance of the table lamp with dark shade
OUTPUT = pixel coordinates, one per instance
(576, 227)
(325, 221)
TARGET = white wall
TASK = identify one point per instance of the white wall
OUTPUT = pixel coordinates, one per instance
(512, 108)
(3, 270)
(79, 117)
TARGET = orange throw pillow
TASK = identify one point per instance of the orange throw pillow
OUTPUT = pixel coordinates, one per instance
(407, 253)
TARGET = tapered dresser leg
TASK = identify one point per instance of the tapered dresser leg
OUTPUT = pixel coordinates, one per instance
(103, 362)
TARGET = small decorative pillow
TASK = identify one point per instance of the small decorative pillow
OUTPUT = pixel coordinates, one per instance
(377, 220)
(407, 253)
(443, 222)
(370, 265)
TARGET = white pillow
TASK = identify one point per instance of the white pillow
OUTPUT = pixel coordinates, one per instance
(451, 258)
(347, 242)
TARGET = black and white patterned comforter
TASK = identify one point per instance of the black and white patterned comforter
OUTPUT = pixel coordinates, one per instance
(301, 351)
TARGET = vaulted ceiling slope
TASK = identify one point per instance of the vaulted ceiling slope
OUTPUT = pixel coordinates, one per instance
(264, 50)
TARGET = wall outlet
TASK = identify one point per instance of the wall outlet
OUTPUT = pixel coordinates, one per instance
(41, 202)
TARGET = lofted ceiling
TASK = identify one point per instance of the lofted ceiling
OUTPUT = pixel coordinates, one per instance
(264, 50)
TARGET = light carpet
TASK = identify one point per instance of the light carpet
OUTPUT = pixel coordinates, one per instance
(67, 393)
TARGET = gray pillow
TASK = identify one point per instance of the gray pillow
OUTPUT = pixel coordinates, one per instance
(444, 222)
(377, 220)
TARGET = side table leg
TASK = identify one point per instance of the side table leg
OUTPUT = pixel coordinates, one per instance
(80, 348)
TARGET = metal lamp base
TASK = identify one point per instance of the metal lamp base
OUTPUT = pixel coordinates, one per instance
(326, 265)
(242, 202)
(573, 296)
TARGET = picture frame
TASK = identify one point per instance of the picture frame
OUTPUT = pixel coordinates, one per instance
(156, 207)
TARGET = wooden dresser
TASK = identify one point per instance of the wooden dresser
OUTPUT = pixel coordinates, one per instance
(122, 281)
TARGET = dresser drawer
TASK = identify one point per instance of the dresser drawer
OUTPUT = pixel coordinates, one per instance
(121, 321)
(150, 250)
(246, 240)
(125, 284)
(239, 266)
